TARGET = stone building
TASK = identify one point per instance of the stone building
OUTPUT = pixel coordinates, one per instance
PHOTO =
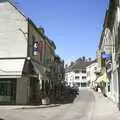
(27, 58)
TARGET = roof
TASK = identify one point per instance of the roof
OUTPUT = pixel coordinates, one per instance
(94, 61)
(53, 44)
(50, 42)
(42, 33)
(78, 65)
(101, 38)
(37, 29)
(57, 57)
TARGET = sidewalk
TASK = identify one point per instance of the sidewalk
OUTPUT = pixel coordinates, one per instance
(105, 107)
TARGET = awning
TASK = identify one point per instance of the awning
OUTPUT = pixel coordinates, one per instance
(102, 78)
(40, 70)
(11, 68)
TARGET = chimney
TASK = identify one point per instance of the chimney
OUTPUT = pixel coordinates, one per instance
(66, 66)
(89, 59)
(71, 63)
(80, 59)
(83, 58)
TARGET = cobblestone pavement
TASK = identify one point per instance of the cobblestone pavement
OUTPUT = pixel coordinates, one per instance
(88, 105)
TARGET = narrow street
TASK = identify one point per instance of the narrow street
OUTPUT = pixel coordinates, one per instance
(88, 105)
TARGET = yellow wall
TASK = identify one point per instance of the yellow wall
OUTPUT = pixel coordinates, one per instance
(99, 58)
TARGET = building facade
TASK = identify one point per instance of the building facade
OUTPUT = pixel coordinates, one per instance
(12, 57)
(76, 75)
(109, 47)
(91, 73)
(27, 58)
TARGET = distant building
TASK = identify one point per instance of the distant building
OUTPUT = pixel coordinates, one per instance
(76, 75)
(91, 72)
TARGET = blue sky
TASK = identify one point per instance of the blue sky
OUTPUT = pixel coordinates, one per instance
(74, 25)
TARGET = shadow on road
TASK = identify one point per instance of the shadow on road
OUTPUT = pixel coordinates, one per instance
(68, 95)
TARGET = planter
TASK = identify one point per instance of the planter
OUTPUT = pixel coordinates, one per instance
(45, 101)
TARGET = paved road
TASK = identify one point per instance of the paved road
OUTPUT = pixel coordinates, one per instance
(87, 106)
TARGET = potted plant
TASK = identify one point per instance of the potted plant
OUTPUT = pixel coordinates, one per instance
(45, 94)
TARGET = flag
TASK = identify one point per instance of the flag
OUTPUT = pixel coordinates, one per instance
(106, 56)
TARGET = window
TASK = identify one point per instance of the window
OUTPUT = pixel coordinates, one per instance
(41, 50)
(108, 87)
(83, 70)
(59, 76)
(83, 77)
(33, 40)
(77, 77)
(95, 68)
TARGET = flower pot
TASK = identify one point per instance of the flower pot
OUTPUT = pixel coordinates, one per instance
(45, 101)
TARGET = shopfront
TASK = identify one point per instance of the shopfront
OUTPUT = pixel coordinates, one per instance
(10, 72)
(7, 91)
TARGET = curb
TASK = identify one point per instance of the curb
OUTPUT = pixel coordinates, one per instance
(36, 107)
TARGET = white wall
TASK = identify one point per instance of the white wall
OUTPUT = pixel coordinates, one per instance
(13, 42)
(70, 78)
(91, 70)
